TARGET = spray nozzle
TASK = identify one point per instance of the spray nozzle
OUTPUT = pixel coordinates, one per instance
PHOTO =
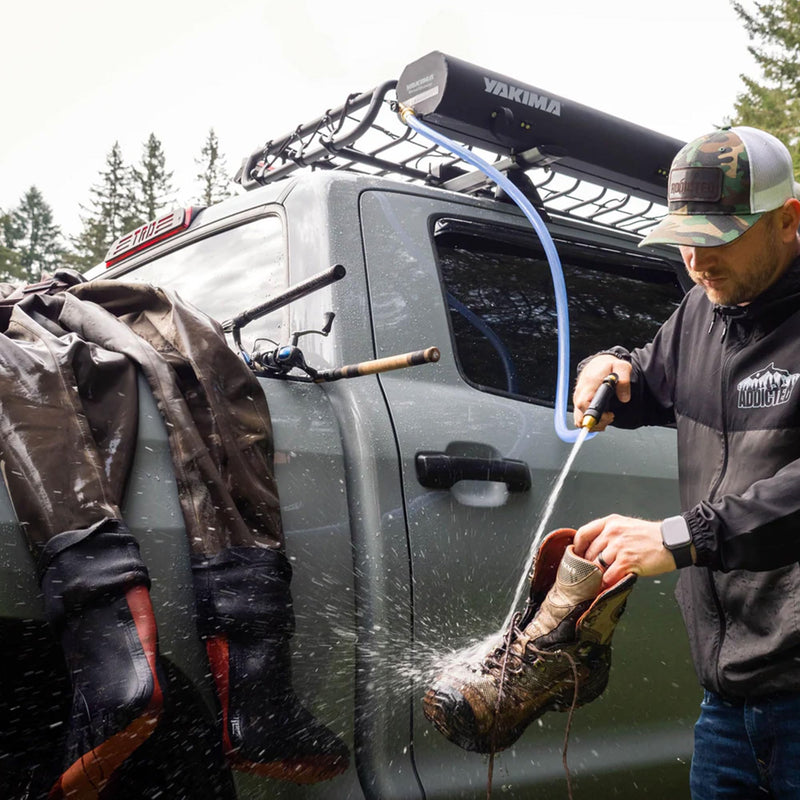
(600, 401)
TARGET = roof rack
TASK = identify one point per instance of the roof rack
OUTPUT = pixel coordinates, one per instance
(571, 160)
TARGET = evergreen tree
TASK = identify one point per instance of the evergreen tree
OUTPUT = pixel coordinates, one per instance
(9, 259)
(90, 246)
(152, 184)
(213, 177)
(773, 103)
(111, 212)
(29, 231)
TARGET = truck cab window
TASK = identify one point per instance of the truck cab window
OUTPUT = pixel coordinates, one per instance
(503, 314)
(227, 272)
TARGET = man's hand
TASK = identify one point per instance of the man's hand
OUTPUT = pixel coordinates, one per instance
(589, 380)
(622, 545)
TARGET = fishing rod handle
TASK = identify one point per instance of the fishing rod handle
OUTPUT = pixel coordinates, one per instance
(427, 356)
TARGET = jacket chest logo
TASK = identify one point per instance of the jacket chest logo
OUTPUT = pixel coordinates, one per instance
(766, 387)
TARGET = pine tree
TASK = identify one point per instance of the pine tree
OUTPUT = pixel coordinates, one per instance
(90, 246)
(152, 185)
(29, 231)
(9, 258)
(111, 212)
(213, 177)
(773, 103)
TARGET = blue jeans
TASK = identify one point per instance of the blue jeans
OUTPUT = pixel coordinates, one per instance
(747, 749)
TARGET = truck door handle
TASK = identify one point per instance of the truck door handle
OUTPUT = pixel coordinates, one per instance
(442, 471)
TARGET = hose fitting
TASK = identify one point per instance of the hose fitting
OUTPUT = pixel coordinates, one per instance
(600, 401)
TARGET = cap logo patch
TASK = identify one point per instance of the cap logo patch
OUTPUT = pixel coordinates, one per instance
(695, 184)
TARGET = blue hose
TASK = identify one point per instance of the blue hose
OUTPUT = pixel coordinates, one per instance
(556, 270)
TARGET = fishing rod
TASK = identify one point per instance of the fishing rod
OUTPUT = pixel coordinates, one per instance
(286, 361)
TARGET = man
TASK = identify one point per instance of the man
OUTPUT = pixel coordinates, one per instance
(724, 369)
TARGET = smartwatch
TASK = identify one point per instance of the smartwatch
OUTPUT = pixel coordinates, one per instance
(677, 539)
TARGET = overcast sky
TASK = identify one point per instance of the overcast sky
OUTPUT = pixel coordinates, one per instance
(79, 75)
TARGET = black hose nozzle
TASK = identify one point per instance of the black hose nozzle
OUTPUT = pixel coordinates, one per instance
(600, 401)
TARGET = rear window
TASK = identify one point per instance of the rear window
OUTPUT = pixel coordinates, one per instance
(502, 308)
(227, 273)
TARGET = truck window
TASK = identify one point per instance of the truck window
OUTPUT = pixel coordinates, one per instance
(502, 305)
(226, 273)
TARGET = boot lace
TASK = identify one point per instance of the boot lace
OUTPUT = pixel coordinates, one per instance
(499, 659)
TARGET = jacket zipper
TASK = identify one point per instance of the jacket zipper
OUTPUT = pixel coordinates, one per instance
(724, 379)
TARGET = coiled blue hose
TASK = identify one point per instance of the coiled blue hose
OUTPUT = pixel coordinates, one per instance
(556, 270)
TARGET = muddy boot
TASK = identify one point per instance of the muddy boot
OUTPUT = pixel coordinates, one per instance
(96, 591)
(486, 699)
(246, 619)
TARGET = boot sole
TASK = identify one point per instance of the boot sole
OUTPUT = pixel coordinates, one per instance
(88, 776)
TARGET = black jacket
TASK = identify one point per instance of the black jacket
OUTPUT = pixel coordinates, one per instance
(727, 376)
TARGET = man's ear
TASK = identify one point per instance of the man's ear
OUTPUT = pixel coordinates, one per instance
(790, 220)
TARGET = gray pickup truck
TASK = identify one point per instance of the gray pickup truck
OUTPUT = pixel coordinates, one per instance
(409, 497)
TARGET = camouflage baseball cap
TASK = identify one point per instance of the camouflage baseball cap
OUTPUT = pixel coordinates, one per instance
(720, 184)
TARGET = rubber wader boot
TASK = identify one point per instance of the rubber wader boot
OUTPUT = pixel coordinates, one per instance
(246, 619)
(486, 698)
(96, 591)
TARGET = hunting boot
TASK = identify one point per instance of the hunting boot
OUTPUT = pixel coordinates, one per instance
(246, 619)
(556, 656)
(96, 591)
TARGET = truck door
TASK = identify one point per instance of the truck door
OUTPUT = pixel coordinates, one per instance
(473, 281)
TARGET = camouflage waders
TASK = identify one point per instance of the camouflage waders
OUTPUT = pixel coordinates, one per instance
(68, 368)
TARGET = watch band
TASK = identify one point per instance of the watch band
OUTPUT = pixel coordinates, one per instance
(678, 540)
(682, 556)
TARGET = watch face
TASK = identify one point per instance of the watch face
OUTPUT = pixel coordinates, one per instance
(675, 533)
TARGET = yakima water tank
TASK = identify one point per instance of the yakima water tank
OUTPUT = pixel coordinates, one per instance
(503, 115)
